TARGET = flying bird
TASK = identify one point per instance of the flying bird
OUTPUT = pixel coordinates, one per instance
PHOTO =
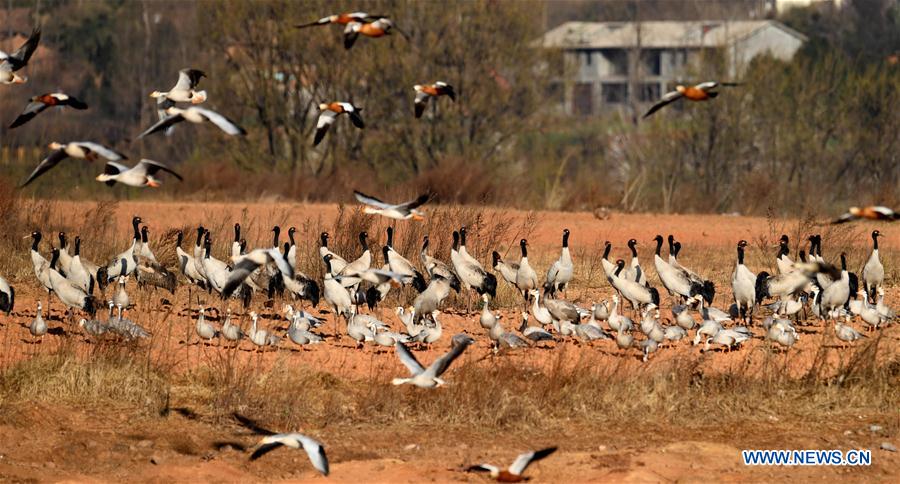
(876, 212)
(700, 92)
(38, 104)
(430, 377)
(428, 91)
(314, 449)
(330, 112)
(194, 115)
(342, 19)
(378, 28)
(85, 150)
(514, 473)
(400, 211)
(140, 175)
(10, 63)
(183, 91)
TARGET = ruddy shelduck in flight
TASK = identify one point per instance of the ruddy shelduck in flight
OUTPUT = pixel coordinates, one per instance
(330, 112)
(38, 104)
(700, 92)
(378, 28)
(875, 212)
(428, 91)
(342, 19)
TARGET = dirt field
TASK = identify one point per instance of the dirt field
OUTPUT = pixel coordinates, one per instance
(49, 439)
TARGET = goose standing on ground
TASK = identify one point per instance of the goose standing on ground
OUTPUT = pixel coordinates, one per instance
(437, 267)
(401, 265)
(38, 104)
(378, 28)
(783, 260)
(261, 337)
(140, 175)
(400, 211)
(205, 330)
(562, 270)
(10, 63)
(7, 296)
(329, 113)
(743, 285)
(470, 272)
(845, 332)
(313, 448)
(428, 91)
(84, 150)
(487, 318)
(873, 271)
(120, 298)
(526, 277)
(699, 92)
(232, 332)
(430, 377)
(38, 327)
(194, 115)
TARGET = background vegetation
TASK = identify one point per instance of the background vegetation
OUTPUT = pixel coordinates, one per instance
(815, 134)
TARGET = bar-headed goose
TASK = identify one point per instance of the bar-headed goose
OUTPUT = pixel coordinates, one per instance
(562, 270)
(84, 150)
(38, 327)
(873, 271)
(141, 175)
(313, 448)
(743, 284)
(430, 377)
(10, 63)
(378, 28)
(400, 211)
(38, 104)
(329, 113)
(183, 90)
(427, 91)
(7, 296)
(194, 115)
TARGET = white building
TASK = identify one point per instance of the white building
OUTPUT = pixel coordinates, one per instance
(614, 63)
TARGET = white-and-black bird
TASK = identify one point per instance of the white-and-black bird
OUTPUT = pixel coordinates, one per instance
(514, 473)
(400, 211)
(313, 448)
(84, 150)
(329, 112)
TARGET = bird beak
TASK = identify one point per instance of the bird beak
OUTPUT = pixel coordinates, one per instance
(153, 183)
(416, 216)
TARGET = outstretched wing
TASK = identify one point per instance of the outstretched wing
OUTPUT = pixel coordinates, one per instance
(326, 119)
(162, 124)
(31, 110)
(370, 200)
(316, 452)
(101, 150)
(222, 122)
(441, 364)
(667, 99)
(20, 57)
(351, 33)
(356, 119)
(418, 202)
(151, 167)
(75, 103)
(45, 165)
(524, 460)
(321, 21)
(847, 217)
(188, 79)
(421, 102)
(408, 359)
(264, 449)
(483, 468)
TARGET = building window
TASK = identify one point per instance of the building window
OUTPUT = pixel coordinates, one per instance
(617, 60)
(648, 92)
(651, 62)
(615, 92)
(583, 99)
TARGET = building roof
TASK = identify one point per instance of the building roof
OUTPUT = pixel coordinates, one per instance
(667, 34)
